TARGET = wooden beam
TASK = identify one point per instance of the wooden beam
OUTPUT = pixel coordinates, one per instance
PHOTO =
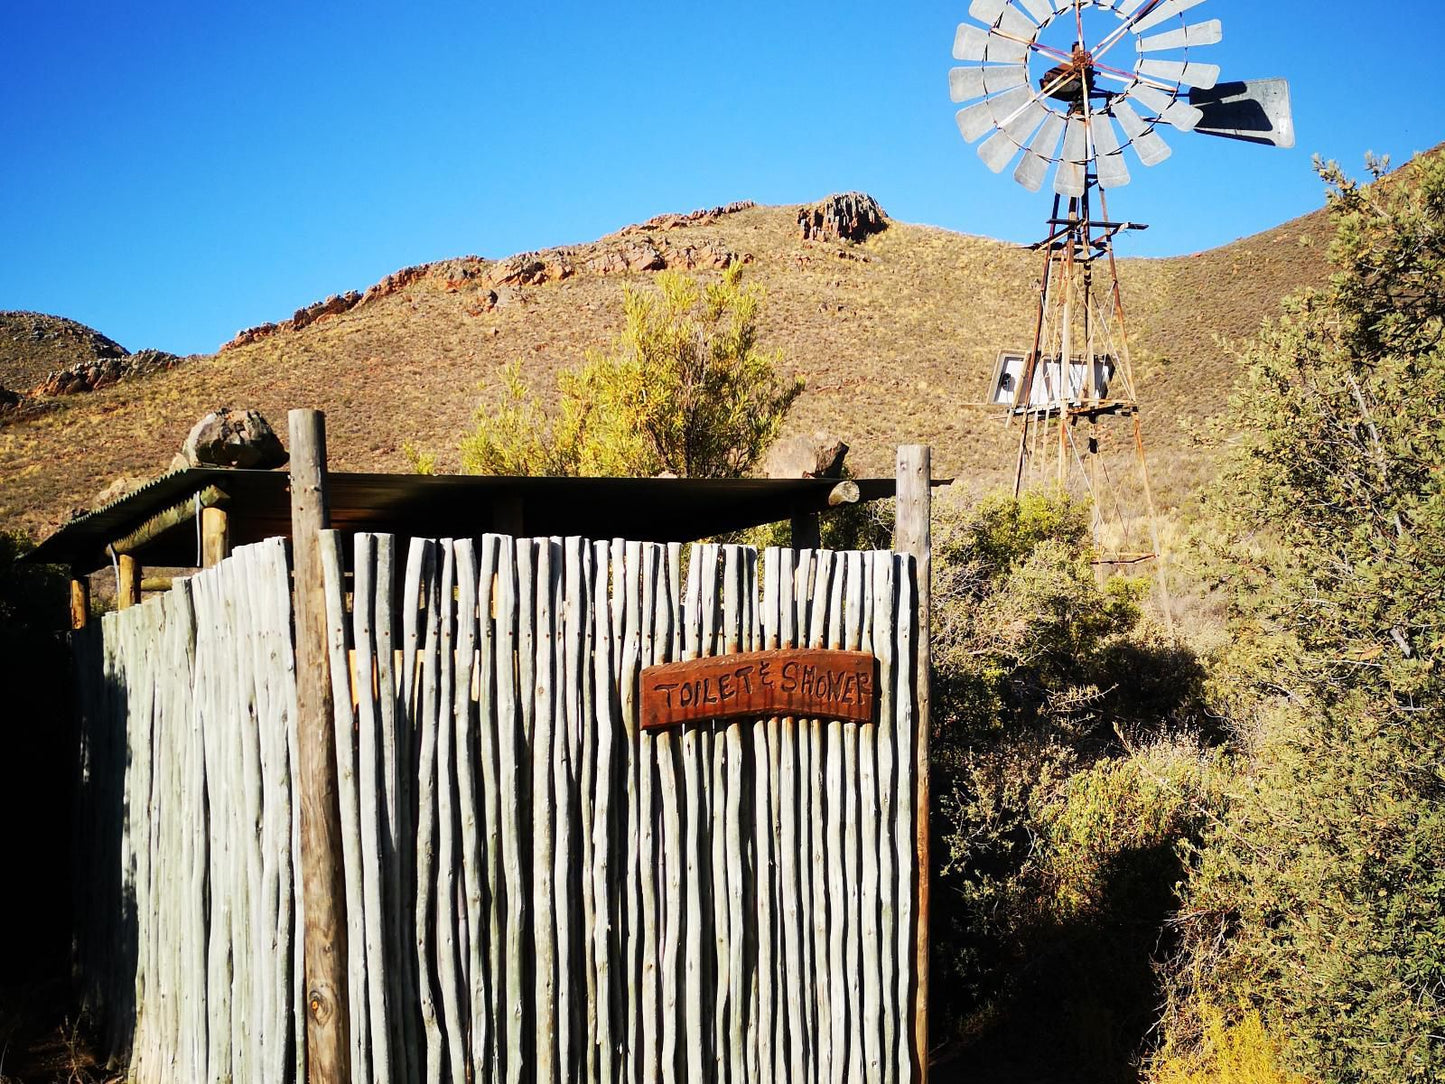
(215, 536)
(170, 517)
(913, 535)
(79, 602)
(328, 1054)
(128, 589)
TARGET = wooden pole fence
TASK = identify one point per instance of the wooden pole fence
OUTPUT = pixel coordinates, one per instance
(328, 1057)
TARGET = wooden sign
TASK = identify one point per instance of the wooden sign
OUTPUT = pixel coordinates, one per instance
(801, 683)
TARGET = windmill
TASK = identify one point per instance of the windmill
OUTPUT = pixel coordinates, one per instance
(1046, 86)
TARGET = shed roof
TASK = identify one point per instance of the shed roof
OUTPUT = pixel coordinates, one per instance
(439, 506)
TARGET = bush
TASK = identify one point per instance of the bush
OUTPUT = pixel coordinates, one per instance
(1060, 840)
(1241, 1052)
(1318, 901)
(684, 391)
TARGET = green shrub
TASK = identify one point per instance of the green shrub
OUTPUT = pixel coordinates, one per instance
(1060, 843)
(685, 390)
(1318, 899)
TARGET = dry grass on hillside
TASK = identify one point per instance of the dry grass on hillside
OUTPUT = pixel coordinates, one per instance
(896, 337)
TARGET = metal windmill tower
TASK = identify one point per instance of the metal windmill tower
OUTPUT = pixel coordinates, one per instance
(1047, 94)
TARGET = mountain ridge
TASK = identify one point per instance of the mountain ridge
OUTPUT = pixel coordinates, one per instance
(896, 336)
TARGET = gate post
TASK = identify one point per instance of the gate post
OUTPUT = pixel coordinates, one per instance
(913, 535)
(328, 1053)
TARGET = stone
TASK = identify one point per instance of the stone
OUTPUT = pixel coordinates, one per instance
(233, 438)
(849, 216)
(818, 456)
(121, 487)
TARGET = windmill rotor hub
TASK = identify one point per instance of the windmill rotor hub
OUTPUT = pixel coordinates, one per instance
(1066, 82)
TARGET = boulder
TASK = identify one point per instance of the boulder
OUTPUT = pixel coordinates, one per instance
(850, 216)
(123, 486)
(818, 456)
(9, 400)
(233, 438)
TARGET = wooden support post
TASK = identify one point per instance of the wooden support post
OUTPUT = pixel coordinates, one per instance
(913, 535)
(807, 531)
(507, 516)
(215, 536)
(328, 1054)
(79, 601)
(128, 590)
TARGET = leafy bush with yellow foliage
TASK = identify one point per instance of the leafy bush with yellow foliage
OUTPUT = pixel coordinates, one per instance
(1238, 1052)
(685, 390)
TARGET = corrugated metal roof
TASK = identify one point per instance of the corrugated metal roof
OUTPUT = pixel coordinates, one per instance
(440, 506)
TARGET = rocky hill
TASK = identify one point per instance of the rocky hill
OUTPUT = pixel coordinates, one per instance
(33, 345)
(896, 334)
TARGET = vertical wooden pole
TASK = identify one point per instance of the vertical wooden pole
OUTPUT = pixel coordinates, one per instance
(79, 601)
(328, 1059)
(128, 591)
(807, 531)
(913, 535)
(215, 536)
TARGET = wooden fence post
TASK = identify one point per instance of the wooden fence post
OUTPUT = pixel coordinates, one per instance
(215, 536)
(913, 535)
(79, 600)
(807, 531)
(328, 1055)
(128, 590)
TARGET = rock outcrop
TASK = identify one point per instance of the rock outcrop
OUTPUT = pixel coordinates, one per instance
(850, 216)
(635, 250)
(692, 218)
(103, 372)
(232, 438)
(818, 456)
(33, 344)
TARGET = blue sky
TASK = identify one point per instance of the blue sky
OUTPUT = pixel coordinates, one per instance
(171, 172)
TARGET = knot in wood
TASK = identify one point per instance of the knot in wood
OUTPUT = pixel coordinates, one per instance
(321, 1006)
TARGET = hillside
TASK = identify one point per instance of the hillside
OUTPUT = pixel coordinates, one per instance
(33, 344)
(896, 337)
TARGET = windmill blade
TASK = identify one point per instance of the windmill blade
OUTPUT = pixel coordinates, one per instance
(1005, 16)
(966, 84)
(1197, 35)
(970, 43)
(1109, 164)
(1166, 107)
(975, 43)
(978, 118)
(1257, 111)
(1163, 12)
(1148, 144)
(1041, 10)
(987, 11)
(999, 149)
(1127, 7)
(1187, 72)
(1069, 180)
(1039, 154)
